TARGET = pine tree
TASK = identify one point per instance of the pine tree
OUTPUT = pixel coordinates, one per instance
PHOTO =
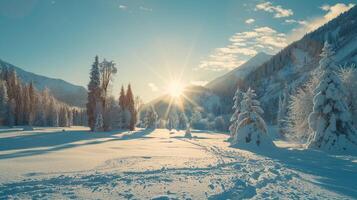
(122, 100)
(236, 108)
(251, 130)
(131, 108)
(94, 93)
(330, 120)
(4, 105)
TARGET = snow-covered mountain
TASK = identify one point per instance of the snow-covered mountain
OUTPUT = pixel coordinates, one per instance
(209, 97)
(66, 92)
(293, 65)
(228, 82)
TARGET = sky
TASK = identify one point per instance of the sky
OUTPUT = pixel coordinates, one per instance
(152, 42)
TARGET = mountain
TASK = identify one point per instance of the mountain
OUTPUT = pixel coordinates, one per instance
(291, 68)
(194, 98)
(228, 82)
(293, 65)
(66, 92)
(207, 98)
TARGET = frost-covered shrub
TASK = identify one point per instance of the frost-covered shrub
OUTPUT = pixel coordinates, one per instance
(299, 108)
(349, 79)
(238, 96)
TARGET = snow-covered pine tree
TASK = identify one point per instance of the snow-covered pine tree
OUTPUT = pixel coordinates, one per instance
(94, 93)
(330, 120)
(4, 104)
(251, 130)
(238, 96)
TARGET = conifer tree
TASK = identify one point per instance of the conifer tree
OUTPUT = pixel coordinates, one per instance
(330, 120)
(122, 100)
(131, 108)
(251, 130)
(94, 93)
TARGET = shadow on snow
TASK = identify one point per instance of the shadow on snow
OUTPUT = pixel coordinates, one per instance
(59, 140)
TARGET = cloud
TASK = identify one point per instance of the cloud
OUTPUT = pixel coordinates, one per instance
(293, 21)
(278, 10)
(199, 83)
(153, 87)
(145, 9)
(242, 46)
(249, 21)
(332, 11)
(123, 7)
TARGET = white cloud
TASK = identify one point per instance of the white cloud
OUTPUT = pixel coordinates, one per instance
(278, 10)
(332, 11)
(145, 9)
(242, 46)
(199, 83)
(123, 7)
(153, 87)
(325, 7)
(249, 21)
(293, 21)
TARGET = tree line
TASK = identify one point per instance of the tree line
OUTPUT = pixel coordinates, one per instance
(23, 105)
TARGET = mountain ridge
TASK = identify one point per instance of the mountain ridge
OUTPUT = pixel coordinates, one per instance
(62, 90)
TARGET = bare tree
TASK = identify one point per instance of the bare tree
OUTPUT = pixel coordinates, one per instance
(107, 70)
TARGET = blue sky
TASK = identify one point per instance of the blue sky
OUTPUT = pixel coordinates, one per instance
(153, 41)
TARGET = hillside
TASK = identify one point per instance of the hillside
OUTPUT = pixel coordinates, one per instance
(228, 82)
(66, 92)
(292, 66)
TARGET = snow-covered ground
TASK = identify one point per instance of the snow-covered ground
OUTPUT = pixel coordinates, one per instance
(76, 164)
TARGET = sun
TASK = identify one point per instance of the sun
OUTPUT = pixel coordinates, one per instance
(175, 89)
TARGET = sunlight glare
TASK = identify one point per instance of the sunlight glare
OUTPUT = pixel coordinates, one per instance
(175, 89)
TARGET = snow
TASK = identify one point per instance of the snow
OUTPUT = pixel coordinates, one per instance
(48, 163)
